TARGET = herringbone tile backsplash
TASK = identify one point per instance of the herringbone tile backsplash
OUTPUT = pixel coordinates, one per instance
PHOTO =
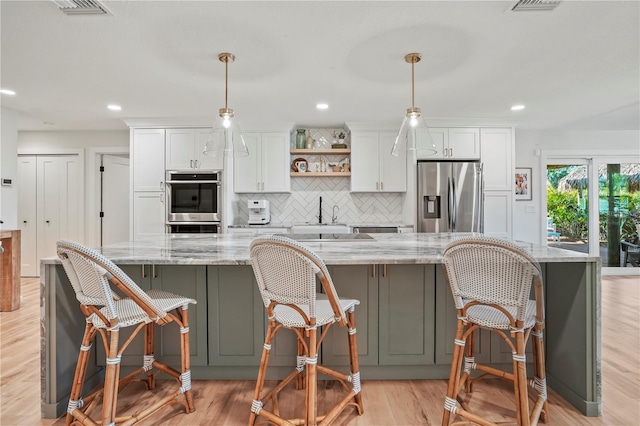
(302, 204)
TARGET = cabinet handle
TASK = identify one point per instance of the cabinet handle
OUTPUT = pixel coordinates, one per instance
(381, 186)
(144, 274)
(197, 162)
(258, 186)
(23, 221)
(377, 186)
(263, 186)
(384, 270)
(161, 185)
(162, 198)
(153, 271)
(46, 221)
(450, 152)
(373, 270)
(191, 163)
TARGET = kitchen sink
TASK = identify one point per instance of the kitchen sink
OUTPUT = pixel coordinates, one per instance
(324, 228)
(328, 238)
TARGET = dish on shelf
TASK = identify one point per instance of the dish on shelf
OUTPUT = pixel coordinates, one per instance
(300, 165)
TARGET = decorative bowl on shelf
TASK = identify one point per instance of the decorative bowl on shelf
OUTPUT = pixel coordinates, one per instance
(300, 165)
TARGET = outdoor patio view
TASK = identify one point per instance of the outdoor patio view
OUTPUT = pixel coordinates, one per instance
(618, 210)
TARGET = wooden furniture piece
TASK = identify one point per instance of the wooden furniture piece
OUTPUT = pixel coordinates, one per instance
(551, 231)
(286, 273)
(490, 280)
(91, 275)
(10, 270)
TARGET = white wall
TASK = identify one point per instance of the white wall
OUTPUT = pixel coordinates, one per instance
(36, 141)
(8, 168)
(528, 216)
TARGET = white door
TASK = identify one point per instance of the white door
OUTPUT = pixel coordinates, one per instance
(27, 215)
(115, 200)
(48, 201)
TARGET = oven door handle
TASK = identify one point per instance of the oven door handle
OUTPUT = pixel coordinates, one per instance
(192, 181)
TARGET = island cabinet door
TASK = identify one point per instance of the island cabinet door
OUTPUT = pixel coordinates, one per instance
(406, 314)
(354, 282)
(188, 281)
(236, 317)
(446, 321)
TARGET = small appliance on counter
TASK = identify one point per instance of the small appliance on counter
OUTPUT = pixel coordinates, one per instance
(259, 213)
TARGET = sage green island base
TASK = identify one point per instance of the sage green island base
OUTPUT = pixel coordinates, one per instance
(405, 321)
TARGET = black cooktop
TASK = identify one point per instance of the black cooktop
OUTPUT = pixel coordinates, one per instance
(327, 237)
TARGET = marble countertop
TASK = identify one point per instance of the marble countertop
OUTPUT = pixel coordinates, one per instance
(290, 224)
(230, 249)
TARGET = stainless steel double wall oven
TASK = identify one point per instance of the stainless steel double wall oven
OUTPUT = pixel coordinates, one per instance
(193, 202)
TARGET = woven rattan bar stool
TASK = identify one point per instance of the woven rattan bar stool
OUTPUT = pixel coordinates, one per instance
(490, 280)
(286, 273)
(92, 276)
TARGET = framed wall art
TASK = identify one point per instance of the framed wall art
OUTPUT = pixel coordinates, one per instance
(523, 184)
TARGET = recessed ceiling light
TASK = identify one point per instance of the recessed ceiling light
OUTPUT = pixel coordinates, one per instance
(114, 107)
(7, 92)
(517, 107)
(322, 106)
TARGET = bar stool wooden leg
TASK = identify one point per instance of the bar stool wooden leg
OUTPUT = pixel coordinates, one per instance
(353, 359)
(81, 371)
(186, 360)
(312, 378)
(520, 381)
(450, 403)
(148, 355)
(256, 405)
(539, 382)
(111, 379)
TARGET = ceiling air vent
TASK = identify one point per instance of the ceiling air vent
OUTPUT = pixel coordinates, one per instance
(82, 7)
(534, 5)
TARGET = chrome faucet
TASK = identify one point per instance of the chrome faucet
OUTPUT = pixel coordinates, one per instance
(334, 217)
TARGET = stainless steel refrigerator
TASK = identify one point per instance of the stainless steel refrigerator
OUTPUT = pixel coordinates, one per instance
(450, 197)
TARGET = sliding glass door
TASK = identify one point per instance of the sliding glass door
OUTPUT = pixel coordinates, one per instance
(593, 206)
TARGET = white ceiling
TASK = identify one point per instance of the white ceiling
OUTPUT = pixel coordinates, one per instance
(574, 67)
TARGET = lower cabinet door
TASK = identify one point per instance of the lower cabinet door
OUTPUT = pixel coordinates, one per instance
(354, 282)
(406, 314)
(236, 317)
(188, 281)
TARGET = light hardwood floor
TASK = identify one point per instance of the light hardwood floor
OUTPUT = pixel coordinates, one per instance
(402, 402)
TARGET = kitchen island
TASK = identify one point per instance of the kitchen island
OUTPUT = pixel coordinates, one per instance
(406, 319)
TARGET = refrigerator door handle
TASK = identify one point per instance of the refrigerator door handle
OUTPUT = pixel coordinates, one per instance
(451, 207)
(455, 206)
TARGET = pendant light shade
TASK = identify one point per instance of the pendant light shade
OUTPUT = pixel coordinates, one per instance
(226, 134)
(414, 125)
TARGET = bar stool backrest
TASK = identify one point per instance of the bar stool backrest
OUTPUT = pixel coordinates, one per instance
(491, 271)
(90, 273)
(286, 273)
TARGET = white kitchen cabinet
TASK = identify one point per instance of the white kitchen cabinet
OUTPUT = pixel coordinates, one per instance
(147, 159)
(50, 206)
(183, 150)
(497, 158)
(373, 168)
(148, 214)
(266, 168)
(498, 208)
(456, 143)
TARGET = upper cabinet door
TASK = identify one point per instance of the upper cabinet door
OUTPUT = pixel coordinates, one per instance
(497, 158)
(246, 170)
(364, 162)
(180, 146)
(464, 143)
(393, 170)
(437, 140)
(148, 159)
(275, 162)
(203, 161)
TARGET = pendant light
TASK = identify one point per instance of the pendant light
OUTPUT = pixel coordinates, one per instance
(413, 122)
(226, 134)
